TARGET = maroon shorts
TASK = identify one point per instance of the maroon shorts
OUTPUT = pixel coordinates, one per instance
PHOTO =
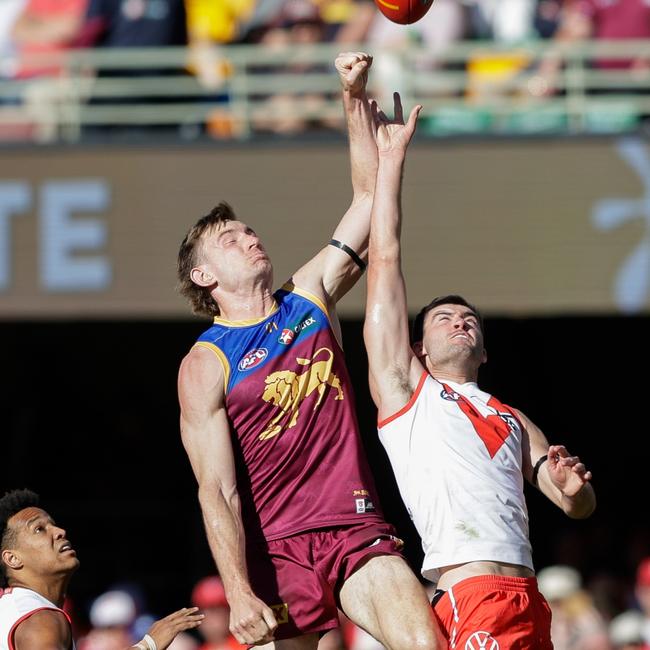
(300, 576)
(495, 612)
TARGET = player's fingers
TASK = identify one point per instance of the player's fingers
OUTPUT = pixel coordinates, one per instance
(374, 111)
(398, 110)
(560, 451)
(344, 62)
(242, 633)
(413, 117)
(269, 619)
(357, 70)
(579, 468)
(365, 57)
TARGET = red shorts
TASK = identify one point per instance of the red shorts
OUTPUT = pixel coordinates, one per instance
(300, 576)
(495, 613)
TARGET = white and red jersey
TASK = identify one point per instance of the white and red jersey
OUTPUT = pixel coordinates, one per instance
(456, 452)
(16, 605)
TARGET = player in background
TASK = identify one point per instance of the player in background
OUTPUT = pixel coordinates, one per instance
(36, 564)
(268, 422)
(459, 455)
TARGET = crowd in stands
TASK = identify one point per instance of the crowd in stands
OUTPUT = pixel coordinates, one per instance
(582, 619)
(35, 33)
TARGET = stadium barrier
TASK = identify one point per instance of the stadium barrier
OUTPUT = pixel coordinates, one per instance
(472, 88)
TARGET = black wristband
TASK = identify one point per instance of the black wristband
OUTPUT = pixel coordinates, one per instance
(538, 464)
(344, 247)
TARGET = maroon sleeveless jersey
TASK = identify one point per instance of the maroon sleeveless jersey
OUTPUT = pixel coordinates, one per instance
(300, 460)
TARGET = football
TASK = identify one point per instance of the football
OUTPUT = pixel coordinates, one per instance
(404, 12)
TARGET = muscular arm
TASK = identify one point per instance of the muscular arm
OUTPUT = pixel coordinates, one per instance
(562, 478)
(392, 364)
(332, 273)
(44, 630)
(206, 438)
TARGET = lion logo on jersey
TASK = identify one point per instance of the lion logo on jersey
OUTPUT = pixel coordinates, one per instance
(287, 389)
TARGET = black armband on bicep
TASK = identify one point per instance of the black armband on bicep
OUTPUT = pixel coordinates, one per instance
(345, 248)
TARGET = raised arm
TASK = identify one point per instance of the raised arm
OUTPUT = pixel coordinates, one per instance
(391, 361)
(333, 272)
(560, 476)
(206, 437)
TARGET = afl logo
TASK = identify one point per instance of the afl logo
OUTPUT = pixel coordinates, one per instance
(253, 358)
(450, 396)
(480, 640)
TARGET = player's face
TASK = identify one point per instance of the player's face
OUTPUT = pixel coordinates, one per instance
(233, 252)
(452, 333)
(42, 547)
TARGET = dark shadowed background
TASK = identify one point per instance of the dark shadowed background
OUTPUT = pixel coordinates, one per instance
(90, 421)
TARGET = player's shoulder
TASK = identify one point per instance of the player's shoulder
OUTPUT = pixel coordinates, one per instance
(200, 366)
(45, 628)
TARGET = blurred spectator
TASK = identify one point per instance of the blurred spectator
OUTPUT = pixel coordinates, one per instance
(444, 24)
(298, 24)
(184, 642)
(346, 21)
(597, 19)
(137, 23)
(217, 22)
(642, 593)
(576, 623)
(42, 32)
(210, 596)
(547, 17)
(210, 24)
(9, 13)
(506, 21)
(46, 28)
(111, 616)
(626, 631)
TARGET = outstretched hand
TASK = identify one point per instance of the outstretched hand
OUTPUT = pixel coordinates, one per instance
(353, 71)
(164, 631)
(567, 473)
(394, 135)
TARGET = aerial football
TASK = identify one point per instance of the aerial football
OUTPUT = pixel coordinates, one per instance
(404, 12)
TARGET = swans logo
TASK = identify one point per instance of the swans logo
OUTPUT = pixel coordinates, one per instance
(481, 641)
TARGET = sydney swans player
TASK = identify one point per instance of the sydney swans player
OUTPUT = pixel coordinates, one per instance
(459, 455)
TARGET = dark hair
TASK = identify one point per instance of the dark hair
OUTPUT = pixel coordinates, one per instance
(11, 503)
(417, 333)
(199, 297)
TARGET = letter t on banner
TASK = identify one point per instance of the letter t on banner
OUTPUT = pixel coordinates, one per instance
(15, 197)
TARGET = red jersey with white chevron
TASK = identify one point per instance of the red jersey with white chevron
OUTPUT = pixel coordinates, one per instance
(289, 400)
(16, 605)
(457, 456)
